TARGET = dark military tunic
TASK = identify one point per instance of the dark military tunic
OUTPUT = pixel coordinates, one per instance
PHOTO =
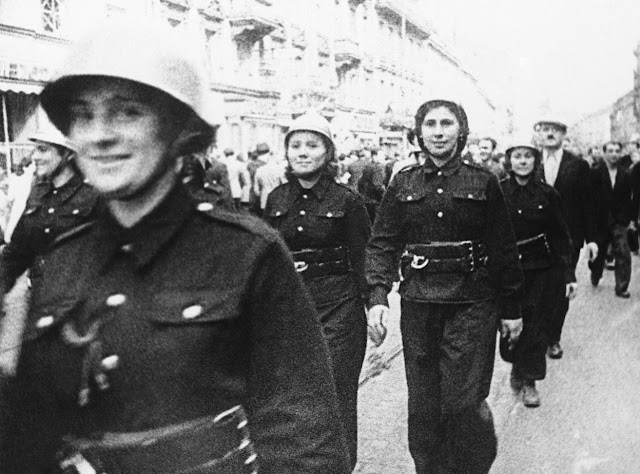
(196, 311)
(449, 319)
(535, 209)
(49, 212)
(330, 215)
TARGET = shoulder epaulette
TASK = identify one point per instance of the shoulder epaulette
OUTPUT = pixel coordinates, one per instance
(476, 166)
(244, 222)
(72, 233)
(408, 168)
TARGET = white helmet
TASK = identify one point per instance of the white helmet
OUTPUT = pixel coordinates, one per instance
(151, 54)
(311, 121)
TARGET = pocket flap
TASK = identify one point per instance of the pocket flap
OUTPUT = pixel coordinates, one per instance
(410, 195)
(192, 306)
(471, 194)
(49, 315)
(328, 213)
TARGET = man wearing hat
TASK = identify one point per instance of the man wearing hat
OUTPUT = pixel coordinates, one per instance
(569, 175)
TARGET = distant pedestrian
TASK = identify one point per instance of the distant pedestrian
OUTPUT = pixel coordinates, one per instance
(268, 177)
(570, 176)
(486, 159)
(613, 192)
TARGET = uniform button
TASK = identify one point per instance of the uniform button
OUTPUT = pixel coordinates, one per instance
(519, 211)
(75, 211)
(439, 173)
(305, 196)
(440, 191)
(51, 210)
(409, 198)
(44, 322)
(302, 213)
(115, 300)
(127, 248)
(329, 214)
(205, 206)
(300, 229)
(55, 191)
(278, 213)
(466, 162)
(47, 230)
(440, 214)
(540, 206)
(191, 312)
(110, 363)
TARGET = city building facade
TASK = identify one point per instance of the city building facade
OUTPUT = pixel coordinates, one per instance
(625, 113)
(364, 64)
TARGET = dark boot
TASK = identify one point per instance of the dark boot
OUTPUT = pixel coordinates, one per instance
(530, 395)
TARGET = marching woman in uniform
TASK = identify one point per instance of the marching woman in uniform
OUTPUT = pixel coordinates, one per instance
(326, 226)
(154, 330)
(446, 223)
(544, 246)
(59, 200)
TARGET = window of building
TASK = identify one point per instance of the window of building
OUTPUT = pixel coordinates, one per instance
(51, 14)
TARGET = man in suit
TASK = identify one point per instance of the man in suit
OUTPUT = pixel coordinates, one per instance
(570, 176)
(612, 187)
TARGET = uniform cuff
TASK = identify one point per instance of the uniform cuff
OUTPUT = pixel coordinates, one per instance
(378, 295)
(509, 309)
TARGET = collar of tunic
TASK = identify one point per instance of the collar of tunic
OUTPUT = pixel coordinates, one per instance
(448, 169)
(145, 239)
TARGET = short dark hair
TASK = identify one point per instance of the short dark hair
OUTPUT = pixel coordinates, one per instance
(611, 142)
(494, 143)
(228, 152)
(635, 142)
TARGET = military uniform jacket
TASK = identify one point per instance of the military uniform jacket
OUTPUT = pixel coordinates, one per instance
(535, 209)
(49, 212)
(457, 202)
(325, 216)
(197, 311)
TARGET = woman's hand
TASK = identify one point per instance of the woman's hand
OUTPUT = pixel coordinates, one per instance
(571, 290)
(511, 329)
(377, 323)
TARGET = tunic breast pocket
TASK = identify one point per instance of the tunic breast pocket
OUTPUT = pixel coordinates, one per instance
(80, 212)
(187, 313)
(470, 206)
(325, 224)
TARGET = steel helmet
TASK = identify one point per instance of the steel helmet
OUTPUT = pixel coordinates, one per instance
(521, 141)
(50, 134)
(311, 121)
(151, 54)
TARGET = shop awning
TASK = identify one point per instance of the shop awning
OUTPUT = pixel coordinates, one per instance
(20, 87)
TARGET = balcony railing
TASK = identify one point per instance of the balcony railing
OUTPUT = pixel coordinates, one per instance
(252, 19)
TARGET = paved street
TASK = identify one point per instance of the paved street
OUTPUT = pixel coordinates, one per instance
(588, 421)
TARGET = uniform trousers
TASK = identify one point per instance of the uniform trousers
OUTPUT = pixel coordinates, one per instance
(554, 320)
(449, 354)
(617, 237)
(541, 288)
(344, 326)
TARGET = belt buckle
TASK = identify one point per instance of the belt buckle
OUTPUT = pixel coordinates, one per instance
(301, 266)
(419, 262)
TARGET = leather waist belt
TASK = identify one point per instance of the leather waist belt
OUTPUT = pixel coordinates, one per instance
(211, 445)
(534, 249)
(313, 263)
(445, 257)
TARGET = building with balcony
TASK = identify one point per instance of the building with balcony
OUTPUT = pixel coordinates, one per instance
(364, 64)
